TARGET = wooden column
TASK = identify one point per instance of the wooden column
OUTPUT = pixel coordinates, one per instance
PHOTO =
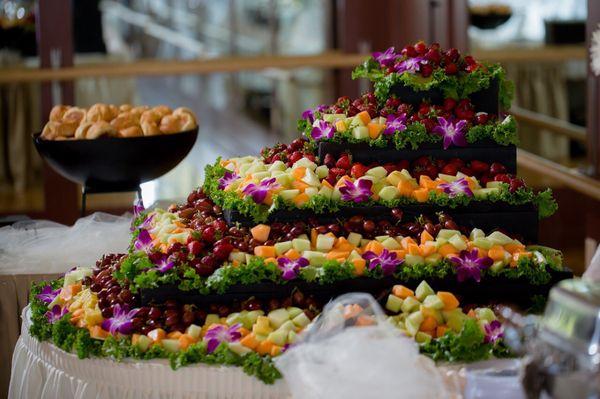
(55, 44)
(593, 93)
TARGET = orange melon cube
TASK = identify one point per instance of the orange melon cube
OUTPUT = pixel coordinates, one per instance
(429, 324)
(97, 332)
(425, 237)
(427, 248)
(364, 116)
(449, 300)
(185, 341)
(243, 331)
(440, 331)
(340, 125)
(342, 244)
(421, 194)
(265, 251)
(174, 335)
(471, 314)
(447, 250)
(292, 254)
(300, 185)
(270, 260)
(496, 253)
(512, 248)
(337, 254)
(400, 253)
(275, 350)
(313, 237)
(326, 184)
(301, 199)
(341, 181)
(405, 188)
(375, 130)
(359, 266)
(374, 246)
(404, 242)
(157, 335)
(250, 341)
(402, 292)
(414, 249)
(260, 232)
(299, 173)
(264, 347)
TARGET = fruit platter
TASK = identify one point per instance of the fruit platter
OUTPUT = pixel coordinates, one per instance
(439, 231)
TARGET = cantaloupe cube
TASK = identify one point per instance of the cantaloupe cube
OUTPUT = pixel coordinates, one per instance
(400, 253)
(299, 185)
(325, 183)
(447, 250)
(337, 254)
(428, 324)
(298, 173)
(413, 249)
(250, 341)
(301, 199)
(342, 244)
(450, 301)
(185, 341)
(174, 335)
(265, 251)
(359, 266)
(406, 241)
(374, 246)
(496, 252)
(425, 236)
(157, 335)
(406, 188)
(375, 130)
(292, 254)
(514, 247)
(260, 232)
(97, 332)
(421, 194)
(264, 348)
(364, 116)
(340, 125)
(275, 350)
(440, 331)
(402, 292)
(427, 248)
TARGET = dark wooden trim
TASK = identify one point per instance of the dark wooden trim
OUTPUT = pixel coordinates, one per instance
(54, 30)
(593, 93)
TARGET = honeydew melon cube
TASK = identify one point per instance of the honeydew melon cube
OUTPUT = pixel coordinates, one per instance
(143, 343)
(457, 242)
(423, 290)
(475, 234)
(287, 326)
(303, 237)
(278, 166)
(253, 315)
(256, 167)
(301, 244)
(260, 337)
(422, 338)
(277, 317)
(211, 319)
(237, 257)
(377, 173)
(301, 320)
(393, 303)
(311, 178)
(486, 314)
(483, 193)
(364, 241)
(276, 173)
(447, 178)
(324, 242)
(353, 255)
(377, 187)
(401, 326)
(499, 238)
(249, 258)
(391, 244)
(326, 192)
(171, 345)
(285, 180)
(447, 233)
(262, 325)
(433, 259)
(413, 323)
(389, 193)
(407, 175)
(497, 266)
(278, 337)
(306, 163)
(455, 319)
(315, 258)
(433, 301)
(412, 260)
(244, 169)
(395, 177)
(436, 314)
(354, 239)
(292, 337)
(482, 243)
(293, 311)
(234, 318)
(282, 247)
(360, 132)
(311, 191)
(357, 121)
(322, 171)
(410, 304)
(336, 195)
(494, 184)
(333, 117)
(381, 238)
(238, 348)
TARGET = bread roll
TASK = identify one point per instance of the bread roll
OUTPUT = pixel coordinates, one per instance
(125, 120)
(125, 108)
(162, 110)
(99, 129)
(132, 131)
(81, 132)
(57, 112)
(74, 115)
(101, 112)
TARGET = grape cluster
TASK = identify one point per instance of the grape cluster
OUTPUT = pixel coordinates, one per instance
(288, 153)
(107, 288)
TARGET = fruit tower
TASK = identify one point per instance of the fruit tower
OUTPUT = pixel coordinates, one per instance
(408, 192)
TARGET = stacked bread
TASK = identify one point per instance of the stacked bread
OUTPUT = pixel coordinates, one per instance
(107, 120)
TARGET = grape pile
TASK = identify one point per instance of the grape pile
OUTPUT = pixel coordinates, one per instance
(288, 153)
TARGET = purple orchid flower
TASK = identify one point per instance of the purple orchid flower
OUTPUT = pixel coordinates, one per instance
(218, 333)
(323, 130)
(359, 191)
(147, 223)
(164, 264)
(469, 265)
(259, 191)
(410, 65)
(457, 187)
(227, 179)
(387, 260)
(55, 314)
(290, 268)
(121, 320)
(452, 132)
(47, 295)
(385, 58)
(395, 124)
(493, 332)
(138, 208)
(310, 112)
(143, 242)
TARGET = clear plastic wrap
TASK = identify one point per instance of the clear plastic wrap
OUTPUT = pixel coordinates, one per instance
(336, 359)
(46, 247)
(592, 272)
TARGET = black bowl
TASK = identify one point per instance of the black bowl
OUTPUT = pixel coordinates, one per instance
(116, 164)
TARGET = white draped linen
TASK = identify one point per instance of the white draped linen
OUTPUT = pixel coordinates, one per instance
(41, 370)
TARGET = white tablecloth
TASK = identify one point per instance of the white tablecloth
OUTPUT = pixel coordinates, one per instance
(40, 370)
